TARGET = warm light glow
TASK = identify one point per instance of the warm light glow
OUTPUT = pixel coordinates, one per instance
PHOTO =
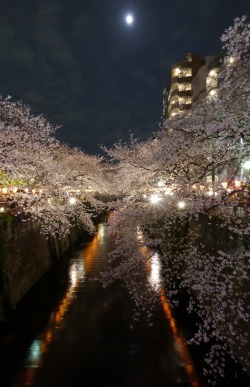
(212, 93)
(181, 204)
(155, 274)
(168, 191)
(212, 73)
(14, 189)
(177, 71)
(182, 86)
(224, 184)
(5, 190)
(160, 183)
(237, 183)
(72, 200)
(1, 209)
(73, 276)
(231, 59)
(180, 344)
(155, 199)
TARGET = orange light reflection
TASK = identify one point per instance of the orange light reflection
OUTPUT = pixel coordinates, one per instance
(57, 317)
(180, 342)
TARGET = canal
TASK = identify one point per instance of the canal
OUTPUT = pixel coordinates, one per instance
(68, 331)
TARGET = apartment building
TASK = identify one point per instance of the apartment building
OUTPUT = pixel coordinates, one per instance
(205, 83)
(177, 97)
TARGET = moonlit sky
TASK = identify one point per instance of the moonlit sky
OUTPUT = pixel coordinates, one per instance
(83, 67)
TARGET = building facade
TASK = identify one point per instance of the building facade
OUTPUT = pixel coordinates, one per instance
(177, 97)
(205, 83)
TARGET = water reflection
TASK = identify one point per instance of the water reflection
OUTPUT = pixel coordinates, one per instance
(78, 270)
(93, 247)
(155, 279)
(179, 341)
(155, 272)
(101, 231)
(34, 354)
(153, 268)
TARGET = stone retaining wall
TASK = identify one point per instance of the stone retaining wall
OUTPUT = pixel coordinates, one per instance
(27, 256)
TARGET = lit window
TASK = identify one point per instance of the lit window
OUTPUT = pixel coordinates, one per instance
(174, 86)
(182, 86)
(188, 86)
(175, 72)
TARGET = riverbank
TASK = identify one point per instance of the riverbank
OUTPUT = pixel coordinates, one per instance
(25, 255)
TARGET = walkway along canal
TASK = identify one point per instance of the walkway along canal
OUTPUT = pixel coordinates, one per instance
(68, 331)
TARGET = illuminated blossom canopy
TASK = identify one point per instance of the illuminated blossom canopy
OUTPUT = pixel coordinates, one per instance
(47, 180)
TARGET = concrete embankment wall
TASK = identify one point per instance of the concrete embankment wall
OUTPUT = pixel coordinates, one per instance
(26, 255)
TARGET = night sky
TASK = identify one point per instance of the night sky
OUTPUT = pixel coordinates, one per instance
(79, 64)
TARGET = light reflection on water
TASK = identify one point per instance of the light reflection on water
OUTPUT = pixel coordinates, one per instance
(179, 341)
(78, 270)
(34, 354)
(155, 273)
(39, 347)
(155, 280)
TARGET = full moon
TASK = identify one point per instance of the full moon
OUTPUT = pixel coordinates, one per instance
(129, 19)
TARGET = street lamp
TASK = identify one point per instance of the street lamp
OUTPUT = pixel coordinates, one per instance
(155, 199)
(181, 205)
(72, 200)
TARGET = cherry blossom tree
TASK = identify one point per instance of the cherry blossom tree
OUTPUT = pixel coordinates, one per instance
(186, 193)
(47, 180)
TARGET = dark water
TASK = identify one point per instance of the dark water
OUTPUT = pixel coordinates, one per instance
(68, 331)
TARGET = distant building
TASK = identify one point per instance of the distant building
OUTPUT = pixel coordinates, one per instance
(177, 97)
(206, 80)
